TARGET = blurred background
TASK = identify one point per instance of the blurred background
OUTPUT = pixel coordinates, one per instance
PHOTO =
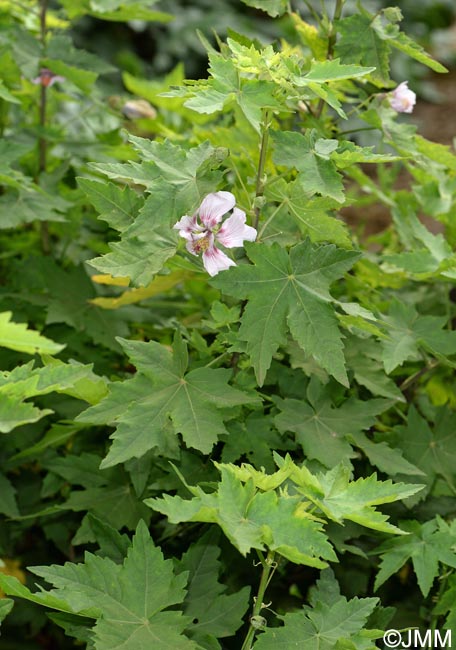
(151, 50)
(146, 49)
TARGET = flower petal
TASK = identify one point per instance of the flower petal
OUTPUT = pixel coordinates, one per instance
(187, 226)
(214, 206)
(56, 79)
(190, 246)
(234, 232)
(214, 261)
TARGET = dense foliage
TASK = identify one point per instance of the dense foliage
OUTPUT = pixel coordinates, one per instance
(228, 419)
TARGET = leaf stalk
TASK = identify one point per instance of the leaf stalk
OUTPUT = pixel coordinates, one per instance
(42, 141)
(269, 566)
(261, 164)
(332, 36)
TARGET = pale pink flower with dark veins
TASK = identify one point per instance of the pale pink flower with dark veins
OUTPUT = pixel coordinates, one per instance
(202, 237)
(47, 78)
(403, 99)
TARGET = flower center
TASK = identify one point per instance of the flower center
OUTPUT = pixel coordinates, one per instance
(201, 245)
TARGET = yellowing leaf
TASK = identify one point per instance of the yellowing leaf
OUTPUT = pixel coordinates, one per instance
(310, 36)
(105, 278)
(11, 568)
(16, 336)
(158, 285)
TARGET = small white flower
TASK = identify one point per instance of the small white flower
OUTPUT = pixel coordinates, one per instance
(403, 99)
(202, 237)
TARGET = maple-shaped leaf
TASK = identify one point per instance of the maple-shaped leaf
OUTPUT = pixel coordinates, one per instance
(339, 498)
(254, 440)
(26, 381)
(364, 358)
(117, 206)
(327, 433)
(128, 600)
(192, 172)
(427, 545)
(290, 291)
(162, 390)
(432, 450)
(78, 66)
(388, 459)
(409, 332)
(214, 613)
(225, 84)
(385, 25)
(116, 502)
(427, 254)
(253, 519)
(312, 215)
(330, 622)
(177, 180)
(29, 203)
(358, 42)
(147, 243)
(321, 429)
(107, 494)
(309, 154)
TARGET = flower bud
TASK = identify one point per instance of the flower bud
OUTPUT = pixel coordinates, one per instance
(403, 99)
(138, 108)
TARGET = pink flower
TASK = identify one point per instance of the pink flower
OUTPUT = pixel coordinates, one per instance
(47, 78)
(202, 237)
(403, 99)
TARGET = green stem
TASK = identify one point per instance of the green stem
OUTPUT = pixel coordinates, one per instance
(3, 116)
(364, 128)
(323, 9)
(268, 569)
(312, 12)
(42, 142)
(400, 414)
(419, 373)
(332, 36)
(261, 164)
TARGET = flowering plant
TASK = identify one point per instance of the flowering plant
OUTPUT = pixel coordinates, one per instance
(297, 395)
